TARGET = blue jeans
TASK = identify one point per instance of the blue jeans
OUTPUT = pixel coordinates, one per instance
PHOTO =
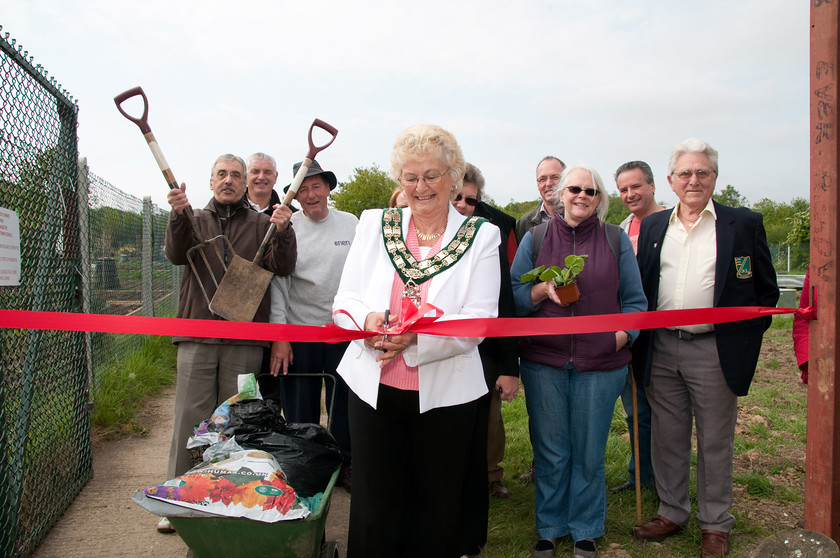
(570, 414)
(646, 473)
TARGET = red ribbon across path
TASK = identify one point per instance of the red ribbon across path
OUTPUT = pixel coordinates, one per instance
(488, 327)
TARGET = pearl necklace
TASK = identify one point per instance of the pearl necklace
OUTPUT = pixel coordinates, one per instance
(430, 236)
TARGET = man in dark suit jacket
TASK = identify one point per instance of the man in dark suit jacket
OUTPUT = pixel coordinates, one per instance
(500, 359)
(699, 255)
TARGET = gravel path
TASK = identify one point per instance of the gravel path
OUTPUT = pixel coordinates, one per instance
(104, 521)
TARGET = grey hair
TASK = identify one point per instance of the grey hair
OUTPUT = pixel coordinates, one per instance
(603, 202)
(693, 145)
(226, 158)
(473, 175)
(632, 165)
(551, 158)
(259, 155)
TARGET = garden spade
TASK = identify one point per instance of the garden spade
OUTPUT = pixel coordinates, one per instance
(220, 242)
(242, 288)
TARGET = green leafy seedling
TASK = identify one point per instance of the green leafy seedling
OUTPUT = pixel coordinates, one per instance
(532, 275)
(561, 276)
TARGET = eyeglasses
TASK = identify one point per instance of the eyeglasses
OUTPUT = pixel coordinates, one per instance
(554, 179)
(701, 174)
(469, 201)
(222, 173)
(430, 178)
(591, 192)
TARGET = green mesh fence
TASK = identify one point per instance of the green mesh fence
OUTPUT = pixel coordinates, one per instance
(130, 274)
(44, 426)
(84, 247)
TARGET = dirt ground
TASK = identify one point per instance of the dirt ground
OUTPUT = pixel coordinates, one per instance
(785, 468)
(104, 521)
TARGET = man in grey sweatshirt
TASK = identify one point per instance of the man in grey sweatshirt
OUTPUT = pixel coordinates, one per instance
(305, 297)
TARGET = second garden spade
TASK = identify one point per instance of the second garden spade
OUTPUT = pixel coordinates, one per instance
(242, 288)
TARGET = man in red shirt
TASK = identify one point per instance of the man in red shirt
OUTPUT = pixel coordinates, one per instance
(634, 180)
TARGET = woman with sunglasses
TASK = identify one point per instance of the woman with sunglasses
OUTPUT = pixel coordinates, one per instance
(469, 196)
(572, 381)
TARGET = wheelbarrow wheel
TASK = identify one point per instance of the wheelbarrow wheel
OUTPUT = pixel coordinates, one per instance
(329, 550)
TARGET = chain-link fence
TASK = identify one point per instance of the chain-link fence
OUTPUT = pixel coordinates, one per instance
(129, 273)
(44, 426)
(84, 247)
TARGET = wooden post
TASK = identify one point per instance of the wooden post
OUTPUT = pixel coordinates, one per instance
(822, 485)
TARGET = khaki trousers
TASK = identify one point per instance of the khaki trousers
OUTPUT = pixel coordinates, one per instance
(495, 437)
(206, 378)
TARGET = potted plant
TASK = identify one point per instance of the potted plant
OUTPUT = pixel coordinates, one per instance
(565, 284)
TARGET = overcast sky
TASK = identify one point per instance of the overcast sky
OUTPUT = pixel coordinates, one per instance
(590, 82)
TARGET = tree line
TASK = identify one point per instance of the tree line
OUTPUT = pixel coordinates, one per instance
(788, 224)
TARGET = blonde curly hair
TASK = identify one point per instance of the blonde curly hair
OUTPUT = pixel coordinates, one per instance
(428, 140)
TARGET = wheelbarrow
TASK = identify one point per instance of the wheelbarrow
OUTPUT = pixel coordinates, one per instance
(211, 536)
(231, 537)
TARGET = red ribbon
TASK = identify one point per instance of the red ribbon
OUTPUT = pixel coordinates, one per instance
(808, 314)
(410, 317)
(417, 323)
(221, 329)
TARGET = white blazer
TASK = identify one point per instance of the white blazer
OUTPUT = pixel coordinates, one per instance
(450, 371)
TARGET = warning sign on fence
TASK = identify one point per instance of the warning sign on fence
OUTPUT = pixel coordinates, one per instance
(9, 247)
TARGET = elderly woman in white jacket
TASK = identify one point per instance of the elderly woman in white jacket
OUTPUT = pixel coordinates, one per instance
(413, 397)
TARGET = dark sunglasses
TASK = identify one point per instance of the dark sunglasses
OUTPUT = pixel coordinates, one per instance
(469, 201)
(591, 192)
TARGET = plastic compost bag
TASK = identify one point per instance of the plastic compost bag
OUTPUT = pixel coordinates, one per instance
(246, 483)
(206, 433)
(307, 453)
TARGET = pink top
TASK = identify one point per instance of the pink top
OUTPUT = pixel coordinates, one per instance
(633, 233)
(397, 374)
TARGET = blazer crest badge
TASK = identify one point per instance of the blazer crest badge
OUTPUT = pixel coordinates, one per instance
(743, 267)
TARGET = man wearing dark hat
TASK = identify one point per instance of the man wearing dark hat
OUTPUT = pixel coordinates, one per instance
(305, 297)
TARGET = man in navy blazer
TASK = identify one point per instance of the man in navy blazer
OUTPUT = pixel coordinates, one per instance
(700, 254)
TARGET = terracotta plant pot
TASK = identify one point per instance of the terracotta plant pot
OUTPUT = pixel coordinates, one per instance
(568, 293)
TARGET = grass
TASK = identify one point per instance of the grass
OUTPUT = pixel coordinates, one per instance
(123, 386)
(768, 481)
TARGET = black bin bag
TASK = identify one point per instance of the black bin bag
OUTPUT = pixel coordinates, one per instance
(307, 453)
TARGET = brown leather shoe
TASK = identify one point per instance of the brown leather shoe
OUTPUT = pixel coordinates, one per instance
(715, 543)
(657, 529)
(499, 490)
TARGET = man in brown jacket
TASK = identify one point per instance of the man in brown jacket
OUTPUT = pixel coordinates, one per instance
(207, 368)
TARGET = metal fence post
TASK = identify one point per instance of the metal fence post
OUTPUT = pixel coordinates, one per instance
(148, 295)
(83, 197)
(176, 285)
